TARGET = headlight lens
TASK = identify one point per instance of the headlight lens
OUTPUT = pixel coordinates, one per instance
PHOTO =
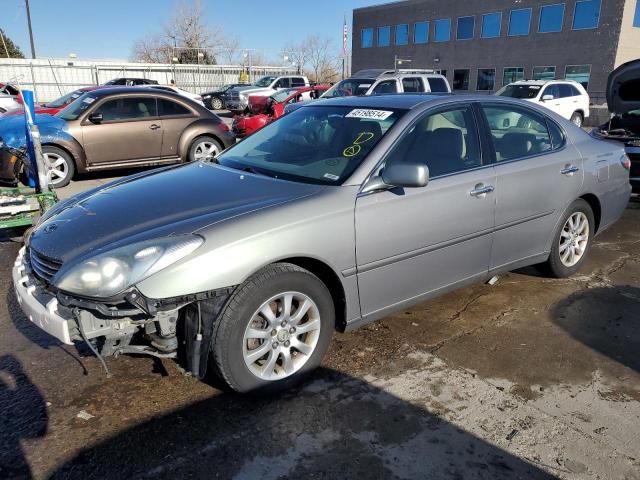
(109, 273)
(206, 96)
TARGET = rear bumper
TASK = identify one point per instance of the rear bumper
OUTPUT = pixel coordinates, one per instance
(39, 306)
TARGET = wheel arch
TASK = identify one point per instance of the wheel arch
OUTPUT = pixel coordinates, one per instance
(75, 152)
(191, 133)
(330, 278)
(596, 207)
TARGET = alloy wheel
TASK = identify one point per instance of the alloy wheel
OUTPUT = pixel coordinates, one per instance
(574, 239)
(205, 150)
(216, 103)
(56, 167)
(281, 336)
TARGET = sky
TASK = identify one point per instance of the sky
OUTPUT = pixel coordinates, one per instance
(101, 29)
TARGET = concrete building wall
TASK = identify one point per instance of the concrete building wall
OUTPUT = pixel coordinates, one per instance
(629, 41)
(595, 47)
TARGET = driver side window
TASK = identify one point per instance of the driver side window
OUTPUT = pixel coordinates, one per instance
(446, 141)
(387, 86)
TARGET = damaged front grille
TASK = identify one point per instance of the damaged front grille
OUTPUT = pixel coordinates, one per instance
(44, 267)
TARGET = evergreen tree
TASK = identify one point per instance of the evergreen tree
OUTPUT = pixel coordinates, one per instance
(11, 50)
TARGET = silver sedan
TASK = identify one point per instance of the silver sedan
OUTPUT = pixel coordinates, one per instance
(335, 215)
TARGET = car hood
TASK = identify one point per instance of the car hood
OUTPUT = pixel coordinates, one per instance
(623, 88)
(257, 91)
(169, 201)
(51, 128)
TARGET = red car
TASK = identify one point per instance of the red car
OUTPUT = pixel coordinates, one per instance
(54, 107)
(264, 110)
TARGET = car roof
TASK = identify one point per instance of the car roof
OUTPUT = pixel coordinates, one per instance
(542, 82)
(113, 90)
(399, 100)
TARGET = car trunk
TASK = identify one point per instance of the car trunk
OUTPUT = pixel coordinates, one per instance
(623, 101)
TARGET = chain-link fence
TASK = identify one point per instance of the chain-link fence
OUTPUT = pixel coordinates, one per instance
(50, 79)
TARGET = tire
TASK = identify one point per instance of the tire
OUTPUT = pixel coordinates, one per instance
(60, 166)
(576, 119)
(204, 148)
(234, 342)
(216, 103)
(557, 265)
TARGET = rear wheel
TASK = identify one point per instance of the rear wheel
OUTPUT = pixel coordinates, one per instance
(576, 119)
(216, 104)
(572, 240)
(276, 328)
(59, 166)
(204, 148)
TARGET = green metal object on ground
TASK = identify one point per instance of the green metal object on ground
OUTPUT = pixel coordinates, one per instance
(25, 219)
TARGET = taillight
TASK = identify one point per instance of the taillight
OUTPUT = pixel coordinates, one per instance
(625, 161)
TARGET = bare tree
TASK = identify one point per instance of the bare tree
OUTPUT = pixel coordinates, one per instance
(298, 54)
(230, 51)
(184, 36)
(322, 59)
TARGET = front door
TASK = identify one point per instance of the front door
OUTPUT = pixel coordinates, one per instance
(538, 174)
(130, 131)
(413, 242)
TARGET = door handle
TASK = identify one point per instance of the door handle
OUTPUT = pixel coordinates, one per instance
(481, 190)
(154, 126)
(569, 170)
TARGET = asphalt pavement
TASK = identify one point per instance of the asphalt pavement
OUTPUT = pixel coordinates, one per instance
(529, 378)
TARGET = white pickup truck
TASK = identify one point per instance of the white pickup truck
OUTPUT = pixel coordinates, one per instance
(237, 99)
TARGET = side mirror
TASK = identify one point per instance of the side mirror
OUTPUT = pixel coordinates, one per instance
(409, 175)
(96, 118)
(546, 98)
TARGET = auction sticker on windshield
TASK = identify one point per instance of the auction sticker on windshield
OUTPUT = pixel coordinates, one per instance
(369, 114)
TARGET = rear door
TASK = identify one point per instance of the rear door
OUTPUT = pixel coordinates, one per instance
(385, 86)
(412, 85)
(412, 242)
(538, 175)
(130, 131)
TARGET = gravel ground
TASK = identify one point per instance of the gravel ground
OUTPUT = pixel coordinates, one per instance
(529, 378)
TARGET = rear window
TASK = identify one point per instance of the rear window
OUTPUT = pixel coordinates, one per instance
(438, 85)
(169, 108)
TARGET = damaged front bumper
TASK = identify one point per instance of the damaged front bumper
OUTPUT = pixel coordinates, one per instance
(155, 326)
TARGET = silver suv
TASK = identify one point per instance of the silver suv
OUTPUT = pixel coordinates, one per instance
(409, 81)
(237, 99)
(329, 218)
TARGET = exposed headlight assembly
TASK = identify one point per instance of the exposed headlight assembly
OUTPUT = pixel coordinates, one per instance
(109, 273)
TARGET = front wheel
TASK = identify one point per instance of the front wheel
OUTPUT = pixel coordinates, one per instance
(576, 119)
(276, 328)
(204, 148)
(59, 166)
(216, 104)
(572, 240)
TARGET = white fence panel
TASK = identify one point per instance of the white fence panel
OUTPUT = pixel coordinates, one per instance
(52, 78)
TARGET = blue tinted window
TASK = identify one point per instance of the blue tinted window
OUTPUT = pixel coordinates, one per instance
(519, 22)
(491, 24)
(636, 18)
(442, 31)
(367, 38)
(384, 36)
(586, 14)
(402, 34)
(551, 18)
(421, 32)
(466, 28)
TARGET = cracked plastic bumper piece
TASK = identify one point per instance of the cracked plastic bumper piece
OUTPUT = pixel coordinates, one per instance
(39, 306)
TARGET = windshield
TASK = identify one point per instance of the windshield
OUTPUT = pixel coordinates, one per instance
(348, 88)
(519, 91)
(74, 110)
(65, 99)
(281, 95)
(265, 81)
(314, 144)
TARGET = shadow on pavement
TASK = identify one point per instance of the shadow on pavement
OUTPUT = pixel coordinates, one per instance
(606, 320)
(335, 427)
(23, 415)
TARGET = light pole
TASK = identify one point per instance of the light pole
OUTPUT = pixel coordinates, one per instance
(33, 48)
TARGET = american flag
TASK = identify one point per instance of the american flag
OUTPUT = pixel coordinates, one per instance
(345, 37)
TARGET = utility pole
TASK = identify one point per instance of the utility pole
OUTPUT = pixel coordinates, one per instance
(33, 48)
